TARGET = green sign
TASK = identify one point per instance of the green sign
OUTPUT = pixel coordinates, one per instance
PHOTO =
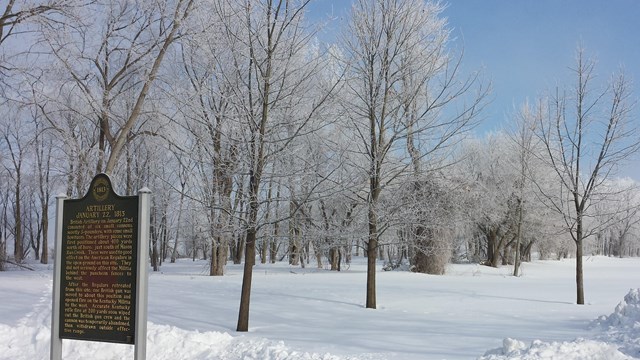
(99, 265)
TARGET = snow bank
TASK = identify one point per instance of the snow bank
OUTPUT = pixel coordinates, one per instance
(318, 314)
(31, 339)
(626, 314)
(580, 349)
(618, 337)
(623, 325)
(163, 343)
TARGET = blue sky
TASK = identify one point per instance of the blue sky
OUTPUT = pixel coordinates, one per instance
(526, 47)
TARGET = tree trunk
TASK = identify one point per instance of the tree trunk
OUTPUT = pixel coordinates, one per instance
(180, 14)
(372, 252)
(174, 252)
(250, 243)
(579, 274)
(318, 254)
(214, 258)
(419, 260)
(294, 246)
(154, 254)
(264, 250)
(492, 247)
(516, 263)
(245, 295)
(44, 259)
(221, 262)
(294, 235)
(3, 232)
(334, 258)
(273, 251)
(239, 249)
(35, 240)
(18, 250)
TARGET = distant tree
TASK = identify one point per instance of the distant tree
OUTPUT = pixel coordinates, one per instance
(208, 150)
(504, 216)
(4, 218)
(13, 133)
(43, 148)
(491, 182)
(615, 219)
(431, 215)
(587, 135)
(184, 167)
(523, 135)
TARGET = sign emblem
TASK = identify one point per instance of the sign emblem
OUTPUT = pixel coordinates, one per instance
(101, 188)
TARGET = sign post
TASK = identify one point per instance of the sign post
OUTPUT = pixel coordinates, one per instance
(56, 342)
(100, 282)
(143, 268)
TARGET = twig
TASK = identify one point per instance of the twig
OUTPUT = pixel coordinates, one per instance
(16, 264)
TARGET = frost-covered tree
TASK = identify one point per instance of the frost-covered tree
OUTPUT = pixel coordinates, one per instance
(275, 100)
(13, 132)
(208, 131)
(19, 20)
(108, 57)
(523, 135)
(492, 181)
(502, 179)
(429, 215)
(588, 133)
(615, 219)
(20, 13)
(400, 77)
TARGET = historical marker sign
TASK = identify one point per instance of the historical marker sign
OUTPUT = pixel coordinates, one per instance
(99, 265)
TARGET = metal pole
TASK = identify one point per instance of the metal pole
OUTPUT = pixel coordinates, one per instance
(142, 276)
(56, 342)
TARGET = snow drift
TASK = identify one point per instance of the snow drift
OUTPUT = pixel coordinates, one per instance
(617, 337)
(313, 314)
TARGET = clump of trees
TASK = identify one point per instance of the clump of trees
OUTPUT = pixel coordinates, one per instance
(263, 144)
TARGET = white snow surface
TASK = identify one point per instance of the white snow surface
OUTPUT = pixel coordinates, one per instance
(318, 314)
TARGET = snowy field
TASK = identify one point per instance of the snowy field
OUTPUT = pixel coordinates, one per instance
(473, 312)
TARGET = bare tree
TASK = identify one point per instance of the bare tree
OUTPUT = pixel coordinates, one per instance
(523, 135)
(270, 65)
(12, 135)
(400, 79)
(18, 12)
(587, 135)
(123, 45)
(211, 123)
(43, 148)
(4, 203)
(491, 180)
(616, 218)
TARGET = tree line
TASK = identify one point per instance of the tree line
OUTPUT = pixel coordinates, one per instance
(262, 143)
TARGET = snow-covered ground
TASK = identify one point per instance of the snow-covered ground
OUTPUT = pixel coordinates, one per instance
(473, 312)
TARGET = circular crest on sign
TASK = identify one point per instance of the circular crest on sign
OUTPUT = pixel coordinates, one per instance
(100, 190)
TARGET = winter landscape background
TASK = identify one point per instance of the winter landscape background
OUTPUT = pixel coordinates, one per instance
(472, 312)
(342, 178)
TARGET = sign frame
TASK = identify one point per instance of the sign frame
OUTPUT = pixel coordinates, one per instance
(100, 288)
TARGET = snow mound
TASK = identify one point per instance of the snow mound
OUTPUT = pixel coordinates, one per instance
(163, 343)
(31, 339)
(626, 314)
(579, 349)
(623, 325)
(618, 338)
